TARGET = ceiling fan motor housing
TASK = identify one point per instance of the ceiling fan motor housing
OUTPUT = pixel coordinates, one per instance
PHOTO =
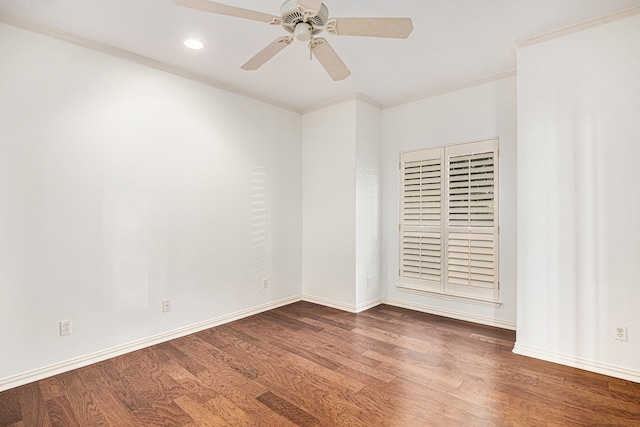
(291, 17)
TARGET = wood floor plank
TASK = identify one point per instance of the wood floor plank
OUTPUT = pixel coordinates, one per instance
(219, 377)
(327, 315)
(257, 413)
(308, 365)
(314, 394)
(201, 415)
(337, 378)
(115, 412)
(11, 407)
(222, 411)
(61, 413)
(402, 404)
(285, 340)
(34, 411)
(421, 373)
(85, 407)
(356, 364)
(112, 377)
(161, 414)
(284, 408)
(394, 338)
(50, 388)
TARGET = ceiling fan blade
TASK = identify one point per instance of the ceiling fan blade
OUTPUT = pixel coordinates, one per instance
(223, 9)
(267, 53)
(313, 5)
(329, 59)
(395, 28)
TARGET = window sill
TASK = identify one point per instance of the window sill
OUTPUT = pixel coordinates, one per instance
(451, 297)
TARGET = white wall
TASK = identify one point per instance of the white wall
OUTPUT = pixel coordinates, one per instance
(121, 186)
(578, 198)
(328, 207)
(479, 112)
(341, 204)
(367, 275)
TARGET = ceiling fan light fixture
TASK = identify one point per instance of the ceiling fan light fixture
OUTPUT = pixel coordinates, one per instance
(303, 32)
(194, 44)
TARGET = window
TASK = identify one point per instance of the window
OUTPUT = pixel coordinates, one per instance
(449, 220)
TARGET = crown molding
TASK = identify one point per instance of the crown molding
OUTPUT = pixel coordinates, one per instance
(337, 101)
(380, 106)
(133, 57)
(577, 27)
(449, 89)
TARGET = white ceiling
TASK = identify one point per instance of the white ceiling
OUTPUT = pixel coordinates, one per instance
(454, 42)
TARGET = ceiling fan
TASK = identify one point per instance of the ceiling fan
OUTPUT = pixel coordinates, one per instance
(304, 20)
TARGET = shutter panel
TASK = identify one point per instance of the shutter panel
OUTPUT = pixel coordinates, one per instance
(471, 190)
(421, 246)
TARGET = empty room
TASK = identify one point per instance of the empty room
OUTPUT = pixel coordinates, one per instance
(308, 213)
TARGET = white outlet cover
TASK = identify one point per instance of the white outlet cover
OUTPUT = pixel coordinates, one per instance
(620, 333)
(65, 327)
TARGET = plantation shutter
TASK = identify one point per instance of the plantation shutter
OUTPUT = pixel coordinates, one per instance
(421, 218)
(471, 220)
(448, 230)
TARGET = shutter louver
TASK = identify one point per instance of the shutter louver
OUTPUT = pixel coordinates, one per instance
(471, 190)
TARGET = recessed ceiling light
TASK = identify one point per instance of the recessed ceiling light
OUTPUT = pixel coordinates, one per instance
(194, 44)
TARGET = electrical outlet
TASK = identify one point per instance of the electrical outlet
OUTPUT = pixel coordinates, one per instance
(368, 281)
(265, 283)
(166, 305)
(65, 327)
(620, 333)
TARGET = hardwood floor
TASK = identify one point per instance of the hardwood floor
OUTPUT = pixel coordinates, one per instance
(307, 365)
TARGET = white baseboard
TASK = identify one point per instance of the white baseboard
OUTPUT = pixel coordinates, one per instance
(367, 305)
(498, 323)
(79, 362)
(576, 362)
(350, 308)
